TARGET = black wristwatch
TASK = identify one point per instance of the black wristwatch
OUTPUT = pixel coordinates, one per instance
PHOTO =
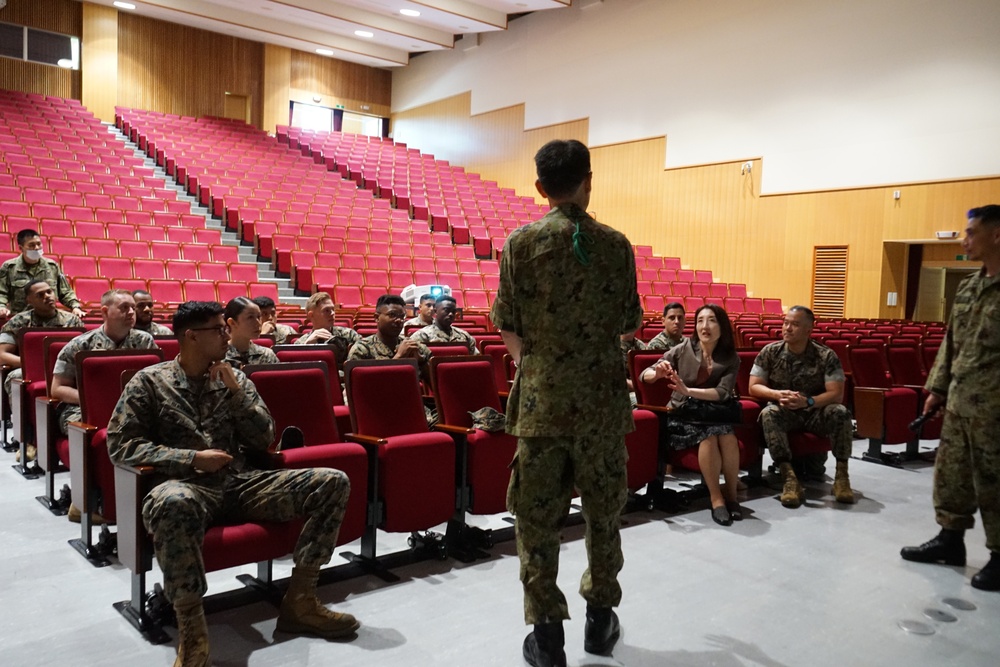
(810, 401)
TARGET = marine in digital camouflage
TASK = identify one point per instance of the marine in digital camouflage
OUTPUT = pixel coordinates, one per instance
(341, 341)
(806, 373)
(662, 341)
(155, 329)
(255, 354)
(435, 334)
(373, 347)
(415, 322)
(162, 419)
(967, 466)
(16, 273)
(94, 339)
(569, 402)
(282, 332)
(28, 319)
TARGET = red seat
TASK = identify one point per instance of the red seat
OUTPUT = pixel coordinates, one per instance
(883, 410)
(226, 291)
(99, 381)
(166, 291)
(90, 290)
(415, 480)
(324, 354)
(199, 290)
(114, 267)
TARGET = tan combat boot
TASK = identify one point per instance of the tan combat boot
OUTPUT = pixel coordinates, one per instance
(842, 484)
(793, 494)
(192, 633)
(302, 613)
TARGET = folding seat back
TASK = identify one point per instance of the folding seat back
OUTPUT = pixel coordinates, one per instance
(298, 394)
(323, 354)
(883, 411)
(99, 382)
(906, 365)
(416, 467)
(463, 385)
(655, 394)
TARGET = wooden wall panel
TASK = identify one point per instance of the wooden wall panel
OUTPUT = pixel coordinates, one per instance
(176, 69)
(63, 16)
(712, 216)
(99, 60)
(277, 81)
(339, 82)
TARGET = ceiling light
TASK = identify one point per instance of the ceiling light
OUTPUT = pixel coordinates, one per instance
(364, 33)
(409, 12)
(65, 63)
(124, 5)
(324, 52)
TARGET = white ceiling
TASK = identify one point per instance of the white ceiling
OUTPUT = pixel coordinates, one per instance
(308, 25)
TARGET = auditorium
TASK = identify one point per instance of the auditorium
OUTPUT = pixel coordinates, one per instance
(320, 205)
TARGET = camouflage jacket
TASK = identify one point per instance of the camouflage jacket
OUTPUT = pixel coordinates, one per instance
(255, 354)
(662, 341)
(415, 322)
(341, 341)
(435, 334)
(29, 319)
(163, 417)
(155, 329)
(96, 339)
(282, 332)
(570, 318)
(966, 366)
(16, 273)
(806, 373)
(372, 347)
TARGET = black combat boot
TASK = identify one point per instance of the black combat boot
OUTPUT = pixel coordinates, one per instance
(948, 548)
(988, 578)
(602, 630)
(544, 646)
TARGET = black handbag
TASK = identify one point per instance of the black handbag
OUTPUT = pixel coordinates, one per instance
(697, 411)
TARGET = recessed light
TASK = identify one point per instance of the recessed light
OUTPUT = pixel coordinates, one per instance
(124, 5)
(409, 12)
(324, 52)
(364, 33)
(463, 27)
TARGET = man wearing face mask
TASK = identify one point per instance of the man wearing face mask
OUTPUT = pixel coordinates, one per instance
(30, 265)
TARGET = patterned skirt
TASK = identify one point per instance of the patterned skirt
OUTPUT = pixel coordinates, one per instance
(678, 435)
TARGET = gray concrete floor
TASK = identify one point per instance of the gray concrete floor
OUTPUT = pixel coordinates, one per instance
(820, 585)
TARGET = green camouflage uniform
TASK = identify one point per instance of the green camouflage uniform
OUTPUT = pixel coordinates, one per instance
(568, 404)
(373, 347)
(94, 339)
(255, 354)
(435, 334)
(282, 332)
(341, 342)
(806, 373)
(662, 341)
(162, 419)
(415, 322)
(29, 319)
(16, 273)
(155, 329)
(967, 373)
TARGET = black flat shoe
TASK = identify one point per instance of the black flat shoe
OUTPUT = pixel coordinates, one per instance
(721, 516)
(735, 511)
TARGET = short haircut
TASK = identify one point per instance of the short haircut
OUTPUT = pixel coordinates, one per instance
(316, 299)
(988, 215)
(236, 306)
(264, 302)
(108, 297)
(562, 166)
(810, 317)
(191, 314)
(32, 283)
(445, 297)
(726, 347)
(427, 297)
(25, 234)
(141, 292)
(389, 300)
(671, 306)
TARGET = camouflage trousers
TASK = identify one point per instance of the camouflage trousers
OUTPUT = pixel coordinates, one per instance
(967, 474)
(832, 421)
(68, 413)
(545, 472)
(177, 512)
(8, 381)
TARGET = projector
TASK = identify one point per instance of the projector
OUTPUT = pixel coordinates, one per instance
(412, 293)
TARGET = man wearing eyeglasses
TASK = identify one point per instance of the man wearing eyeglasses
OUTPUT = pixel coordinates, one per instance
(192, 419)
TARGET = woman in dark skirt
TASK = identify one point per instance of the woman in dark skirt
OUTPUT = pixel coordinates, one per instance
(705, 367)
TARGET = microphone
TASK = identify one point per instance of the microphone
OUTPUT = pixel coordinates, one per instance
(918, 423)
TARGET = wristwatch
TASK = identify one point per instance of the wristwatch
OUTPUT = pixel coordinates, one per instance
(810, 401)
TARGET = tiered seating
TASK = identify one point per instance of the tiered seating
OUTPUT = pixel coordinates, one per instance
(96, 203)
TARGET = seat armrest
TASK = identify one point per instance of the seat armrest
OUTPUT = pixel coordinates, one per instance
(46, 429)
(658, 409)
(453, 430)
(80, 474)
(365, 440)
(869, 411)
(131, 486)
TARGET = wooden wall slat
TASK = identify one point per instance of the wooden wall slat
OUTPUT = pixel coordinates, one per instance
(339, 82)
(63, 16)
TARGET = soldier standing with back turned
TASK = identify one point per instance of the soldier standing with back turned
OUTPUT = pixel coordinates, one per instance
(567, 292)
